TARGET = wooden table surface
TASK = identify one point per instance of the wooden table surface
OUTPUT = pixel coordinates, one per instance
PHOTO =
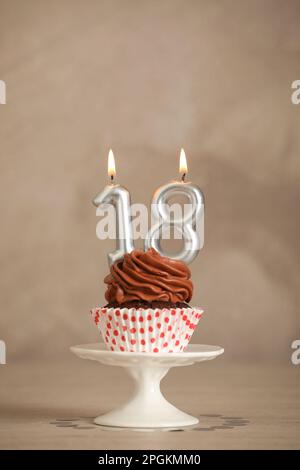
(245, 406)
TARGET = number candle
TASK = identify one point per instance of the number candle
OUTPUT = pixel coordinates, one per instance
(193, 240)
(119, 197)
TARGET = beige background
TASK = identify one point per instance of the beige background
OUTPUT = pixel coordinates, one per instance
(147, 77)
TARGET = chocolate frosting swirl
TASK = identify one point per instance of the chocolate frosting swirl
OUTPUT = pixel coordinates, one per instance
(148, 276)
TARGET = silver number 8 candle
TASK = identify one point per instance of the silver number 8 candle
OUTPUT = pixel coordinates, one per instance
(190, 225)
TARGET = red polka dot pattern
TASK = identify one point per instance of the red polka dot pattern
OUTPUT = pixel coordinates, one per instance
(139, 330)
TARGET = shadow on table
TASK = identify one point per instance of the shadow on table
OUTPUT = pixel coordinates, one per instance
(207, 422)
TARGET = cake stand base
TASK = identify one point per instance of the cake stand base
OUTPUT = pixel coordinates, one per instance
(147, 408)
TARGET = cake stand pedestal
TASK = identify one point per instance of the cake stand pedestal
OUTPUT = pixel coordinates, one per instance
(147, 408)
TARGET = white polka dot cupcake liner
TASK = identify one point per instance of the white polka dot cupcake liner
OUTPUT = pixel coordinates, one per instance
(146, 330)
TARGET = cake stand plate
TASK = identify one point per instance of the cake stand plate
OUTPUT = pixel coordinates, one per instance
(147, 407)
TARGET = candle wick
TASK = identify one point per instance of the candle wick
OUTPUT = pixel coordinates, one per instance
(112, 178)
(183, 177)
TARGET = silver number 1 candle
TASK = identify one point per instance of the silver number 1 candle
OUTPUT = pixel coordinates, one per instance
(192, 218)
(119, 197)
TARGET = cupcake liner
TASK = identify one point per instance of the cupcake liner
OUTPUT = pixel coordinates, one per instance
(146, 330)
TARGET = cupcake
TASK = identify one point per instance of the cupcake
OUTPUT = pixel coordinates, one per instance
(148, 308)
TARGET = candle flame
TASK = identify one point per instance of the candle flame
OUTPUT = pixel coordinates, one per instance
(111, 166)
(183, 169)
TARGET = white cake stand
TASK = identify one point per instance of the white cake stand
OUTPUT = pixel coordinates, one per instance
(147, 408)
